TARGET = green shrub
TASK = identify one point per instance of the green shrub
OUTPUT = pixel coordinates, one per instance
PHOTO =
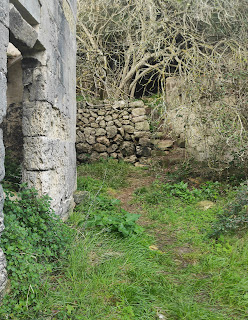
(107, 215)
(235, 216)
(159, 192)
(13, 174)
(34, 239)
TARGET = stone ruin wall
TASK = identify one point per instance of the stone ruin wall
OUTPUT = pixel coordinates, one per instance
(183, 120)
(44, 33)
(120, 131)
(4, 36)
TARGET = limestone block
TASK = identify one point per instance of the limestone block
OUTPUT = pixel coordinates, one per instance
(122, 132)
(118, 123)
(111, 131)
(36, 119)
(119, 104)
(102, 124)
(80, 137)
(22, 35)
(110, 123)
(90, 139)
(108, 118)
(99, 147)
(93, 114)
(94, 125)
(143, 151)
(91, 119)
(114, 155)
(101, 112)
(113, 147)
(103, 155)
(118, 139)
(136, 104)
(128, 128)
(127, 137)
(125, 122)
(141, 134)
(94, 156)
(4, 14)
(103, 140)
(131, 159)
(30, 10)
(145, 142)
(125, 117)
(139, 119)
(127, 148)
(142, 126)
(85, 120)
(115, 116)
(138, 112)
(2, 155)
(98, 119)
(165, 144)
(3, 101)
(100, 132)
(4, 36)
(41, 153)
(83, 147)
(89, 131)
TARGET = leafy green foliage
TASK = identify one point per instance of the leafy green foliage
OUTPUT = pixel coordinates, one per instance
(234, 216)
(90, 184)
(33, 241)
(12, 177)
(159, 192)
(111, 172)
(107, 215)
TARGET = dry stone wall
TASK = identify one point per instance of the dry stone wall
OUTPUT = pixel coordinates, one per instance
(120, 131)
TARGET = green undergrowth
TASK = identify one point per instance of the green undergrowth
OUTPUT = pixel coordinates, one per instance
(209, 245)
(111, 173)
(35, 243)
(112, 268)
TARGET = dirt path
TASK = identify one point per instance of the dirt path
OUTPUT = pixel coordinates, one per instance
(164, 239)
(126, 194)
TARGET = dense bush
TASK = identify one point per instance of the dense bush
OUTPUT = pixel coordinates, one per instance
(235, 216)
(34, 239)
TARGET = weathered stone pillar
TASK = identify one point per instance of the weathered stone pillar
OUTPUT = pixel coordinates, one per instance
(4, 39)
(49, 106)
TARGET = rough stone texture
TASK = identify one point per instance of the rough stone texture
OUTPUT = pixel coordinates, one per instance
(44, 32)
(49, 106)
(22, 35)
(164, 144)
(30, 10)
(183, 119)
(121, 131)
(4, 21)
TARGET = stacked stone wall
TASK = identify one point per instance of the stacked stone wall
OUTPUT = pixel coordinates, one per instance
(119, 130)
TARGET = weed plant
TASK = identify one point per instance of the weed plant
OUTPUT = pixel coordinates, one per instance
(34, 242)
(172, 270)
(234, 217)
(113, 173)
(12, 177)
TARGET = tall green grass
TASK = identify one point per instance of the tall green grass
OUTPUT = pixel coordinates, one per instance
(173, 269)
